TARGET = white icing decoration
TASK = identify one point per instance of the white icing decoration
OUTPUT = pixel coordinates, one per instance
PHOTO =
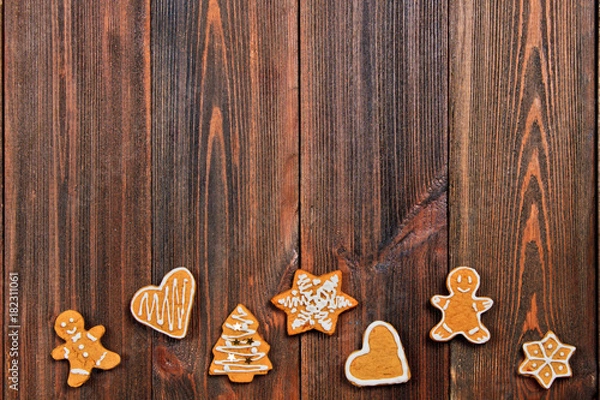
(91, 337)
(236, 359)
(101, 358)
(79, 371)
(66, 352)
(71, 320)
(86, 354)
(81, 347)
(172, 313)
(366, 349)
(71, 331)
(75, 338)
(318, 304)
(63, 324)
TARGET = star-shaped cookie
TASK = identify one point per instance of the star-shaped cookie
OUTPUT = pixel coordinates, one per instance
(547, 359)
(314, 302)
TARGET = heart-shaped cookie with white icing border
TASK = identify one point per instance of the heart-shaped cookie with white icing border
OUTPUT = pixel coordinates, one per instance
(381, 361)
(166, 308)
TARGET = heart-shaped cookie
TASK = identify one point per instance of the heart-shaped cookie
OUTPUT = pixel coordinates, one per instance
(167, 307)
(381, 361)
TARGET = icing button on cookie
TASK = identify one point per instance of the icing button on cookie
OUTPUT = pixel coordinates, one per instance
(314, 302)
(381, 361)
(70, 326)
(461, 310)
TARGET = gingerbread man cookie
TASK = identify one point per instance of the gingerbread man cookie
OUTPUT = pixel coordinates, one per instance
(82, 348)
(461, 310)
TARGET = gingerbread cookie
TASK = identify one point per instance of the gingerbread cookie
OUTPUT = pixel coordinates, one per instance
(314, 302)
(240, 353)
(166, 308)
(461, 310)
(82, 348)
(547, 359)
(381, 361)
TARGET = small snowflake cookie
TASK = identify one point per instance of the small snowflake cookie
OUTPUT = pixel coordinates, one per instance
(461, 310)
(546, 360)
(82, 348)
(314, 302)
(166, 308)
(381, 361)
(240, 352)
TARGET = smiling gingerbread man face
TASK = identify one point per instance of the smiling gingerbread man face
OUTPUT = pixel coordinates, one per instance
(463, 280)
(68, 324)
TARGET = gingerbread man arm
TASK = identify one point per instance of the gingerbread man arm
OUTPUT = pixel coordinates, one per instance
(483, 304)
(96, 332)
(60, 352)
(108, 360)
(440, 302)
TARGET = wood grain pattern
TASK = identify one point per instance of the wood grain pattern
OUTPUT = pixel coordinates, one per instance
(374, 180)
(225, 167)
(77, 157)
(393, 140)
(522, 192)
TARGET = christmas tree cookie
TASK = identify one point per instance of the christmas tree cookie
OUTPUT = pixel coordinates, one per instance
(461, 310)
(240, 352)
(82, 348)
(314, 302)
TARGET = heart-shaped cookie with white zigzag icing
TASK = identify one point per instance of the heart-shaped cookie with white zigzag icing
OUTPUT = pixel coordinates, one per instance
(167, 307)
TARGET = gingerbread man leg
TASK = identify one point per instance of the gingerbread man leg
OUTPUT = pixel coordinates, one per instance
(478, 334)
(77, 377)
(442, 332)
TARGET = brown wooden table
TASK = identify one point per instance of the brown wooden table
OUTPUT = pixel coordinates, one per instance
(393, 140)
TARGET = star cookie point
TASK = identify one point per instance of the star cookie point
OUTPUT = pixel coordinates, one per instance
(547, 359)
(314, 302)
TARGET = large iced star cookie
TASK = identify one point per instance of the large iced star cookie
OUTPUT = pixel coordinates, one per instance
(314, 302)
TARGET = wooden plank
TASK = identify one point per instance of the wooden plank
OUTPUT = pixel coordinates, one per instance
(522, 191)
(5, 304)
(374, 181)
(78, 209)
(225, 167)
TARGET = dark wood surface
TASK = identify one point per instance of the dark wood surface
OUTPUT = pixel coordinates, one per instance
(225, 181)
(374, 181)
(78, 195)
(522, 199)
(392, 140)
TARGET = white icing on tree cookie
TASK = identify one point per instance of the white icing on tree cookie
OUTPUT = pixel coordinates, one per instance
(240, 352)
